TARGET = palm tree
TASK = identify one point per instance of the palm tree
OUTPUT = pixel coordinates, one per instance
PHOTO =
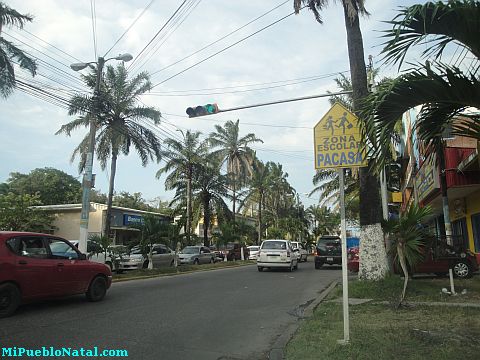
(152, 229)
(209, 188)
(258, 185)
(409, 240)
(325, 221)
(235, 151)
(183, 159)
(279, 198)
(9, 52)
(375, 266)
(118, 123)
(444, 91)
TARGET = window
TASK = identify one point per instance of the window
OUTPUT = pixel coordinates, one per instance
(205, 251)
(476, 231)
(61, 249)
(159, 250)
(274, 245)
(459, 232)
(32, 246)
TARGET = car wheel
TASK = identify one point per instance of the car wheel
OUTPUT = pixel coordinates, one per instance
(97, 289)
(212, 260)
(145, 264)
(10, 299)
(172, 262)
(196, 262)
(306, 258)
(260, 268)
(318, 265)
(461, 269)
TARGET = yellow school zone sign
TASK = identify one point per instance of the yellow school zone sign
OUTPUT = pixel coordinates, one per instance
(338, 140)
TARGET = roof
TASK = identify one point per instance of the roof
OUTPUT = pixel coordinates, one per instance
(94, 204)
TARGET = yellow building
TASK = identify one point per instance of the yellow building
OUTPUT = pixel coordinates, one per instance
(67, 221)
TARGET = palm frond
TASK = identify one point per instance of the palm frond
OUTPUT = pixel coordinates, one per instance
(434, 23)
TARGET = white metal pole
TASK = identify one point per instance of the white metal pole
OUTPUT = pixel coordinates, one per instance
(343, 234)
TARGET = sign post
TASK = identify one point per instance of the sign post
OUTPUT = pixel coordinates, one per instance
(338, 144)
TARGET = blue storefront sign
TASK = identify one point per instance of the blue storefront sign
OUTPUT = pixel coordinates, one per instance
(129, 220)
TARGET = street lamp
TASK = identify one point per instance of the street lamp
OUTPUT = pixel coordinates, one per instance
(87, 176)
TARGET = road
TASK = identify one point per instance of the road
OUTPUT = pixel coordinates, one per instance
(234, 313)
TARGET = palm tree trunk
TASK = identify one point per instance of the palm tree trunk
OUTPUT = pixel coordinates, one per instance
(111, 186)
(446, 229)
(374, 264)
(403, 264)
(189, 203)
(259, 241)
(206, 220)
(234, 195)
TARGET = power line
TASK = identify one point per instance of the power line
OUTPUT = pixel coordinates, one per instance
(220, 39)
(94, 26)
(224, 49)
(185, 13)
(169, 94)
(131, 25)
(155, 36)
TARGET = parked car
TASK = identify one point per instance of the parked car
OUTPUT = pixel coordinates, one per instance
(162, 255)
(196, 255)
(95, 253)
(329, 251)
(302, 253)
(38, 266)
(235, 252)
(464, 264)
(353, 262)
(277, 254)
(253, 252)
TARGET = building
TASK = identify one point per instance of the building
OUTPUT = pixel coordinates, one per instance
(421, 184)
(67, 221)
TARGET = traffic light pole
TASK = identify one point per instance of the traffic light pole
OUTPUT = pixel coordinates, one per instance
(277, 102)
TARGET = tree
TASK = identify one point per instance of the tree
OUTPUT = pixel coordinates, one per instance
(209, 191)
(153, 229)
(10, 53)
(444, 91)
(374, 260)
(53, 186)
(325, 221)
(258, 186)
(409, 240)
(182, 159)
(18, 213)
(132, 201)
(235, 151)
(118, 119)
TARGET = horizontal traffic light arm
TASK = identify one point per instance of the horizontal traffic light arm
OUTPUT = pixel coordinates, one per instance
(203, 110)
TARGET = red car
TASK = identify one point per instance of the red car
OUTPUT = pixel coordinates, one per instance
(353, 262)
(464, 264)
(38, 266)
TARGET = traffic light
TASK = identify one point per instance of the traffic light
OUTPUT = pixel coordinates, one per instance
(202, 110)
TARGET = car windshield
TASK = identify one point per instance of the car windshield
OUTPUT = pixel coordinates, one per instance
(275, 245)
(136, 251)
(190, 250)
(295, 245)
(328, 242)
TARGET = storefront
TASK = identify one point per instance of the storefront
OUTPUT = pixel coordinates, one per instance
(124, 222)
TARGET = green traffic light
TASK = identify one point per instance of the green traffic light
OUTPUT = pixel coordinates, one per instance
(210, 108)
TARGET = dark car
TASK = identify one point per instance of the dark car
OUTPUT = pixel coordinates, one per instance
(329, 251)
(235, 252)
(38, 266)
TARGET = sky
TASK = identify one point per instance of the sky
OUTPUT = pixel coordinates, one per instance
(294, 57)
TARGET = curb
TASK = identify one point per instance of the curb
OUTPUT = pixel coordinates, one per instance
(277, 351)
(176, 273)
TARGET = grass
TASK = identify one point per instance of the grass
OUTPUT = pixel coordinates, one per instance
(379, 331)
(145, 273)
(418, 289)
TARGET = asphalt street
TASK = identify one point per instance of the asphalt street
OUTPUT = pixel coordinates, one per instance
(234, 313)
